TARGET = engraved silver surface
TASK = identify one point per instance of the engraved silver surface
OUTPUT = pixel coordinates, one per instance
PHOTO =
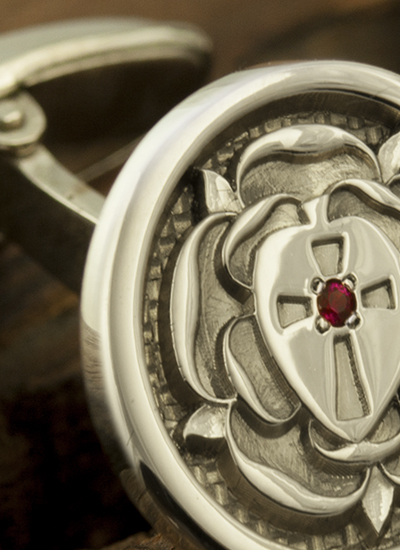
(240, 416)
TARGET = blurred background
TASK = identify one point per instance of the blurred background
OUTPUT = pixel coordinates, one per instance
(57, 489)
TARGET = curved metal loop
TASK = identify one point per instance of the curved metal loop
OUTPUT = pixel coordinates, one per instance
(51, 212)
(42, 53)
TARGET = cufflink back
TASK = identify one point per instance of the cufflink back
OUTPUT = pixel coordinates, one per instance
(89, 80)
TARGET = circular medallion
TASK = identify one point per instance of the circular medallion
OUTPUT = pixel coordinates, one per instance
(240, 313)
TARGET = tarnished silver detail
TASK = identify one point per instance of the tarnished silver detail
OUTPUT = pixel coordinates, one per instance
(378, 499)
(234, 406)
(244, 226)
(286, 491)
(185, 305)
(208, 422)
(365, 452)
(389, 158)
(243, 384)
(218, 194)
(306, 142)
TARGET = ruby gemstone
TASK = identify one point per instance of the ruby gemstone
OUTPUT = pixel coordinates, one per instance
(336, 303)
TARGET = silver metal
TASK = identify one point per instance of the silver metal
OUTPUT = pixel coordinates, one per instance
(50, 211)
(321, 324)
(350, 281)
(353, 321)
(238, 412)
(232, 418)
(317, 285)
(283, 267)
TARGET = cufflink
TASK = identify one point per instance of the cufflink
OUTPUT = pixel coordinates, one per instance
(240, 312)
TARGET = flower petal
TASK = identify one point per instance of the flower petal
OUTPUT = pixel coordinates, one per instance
(251, 227)
(371, 191)
(377, 501)
(369, 200)
(208, 422)
(270, 399)
(389, 158)
(388, 468)
(288, 492)
(365, 452)
(303, 159)
(199, 308)
(218, 194)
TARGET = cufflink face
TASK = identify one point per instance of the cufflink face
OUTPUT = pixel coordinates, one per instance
(240, 312)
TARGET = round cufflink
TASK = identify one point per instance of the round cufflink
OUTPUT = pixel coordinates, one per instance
(240, 312)
(240, 304)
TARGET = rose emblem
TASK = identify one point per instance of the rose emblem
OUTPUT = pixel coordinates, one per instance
(283, 311)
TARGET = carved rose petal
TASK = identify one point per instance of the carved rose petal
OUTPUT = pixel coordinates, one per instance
(254, 373)
(303, 160)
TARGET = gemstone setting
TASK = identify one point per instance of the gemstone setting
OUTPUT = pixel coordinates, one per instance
(336, 303)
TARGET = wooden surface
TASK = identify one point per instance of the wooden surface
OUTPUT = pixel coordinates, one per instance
(57, 490)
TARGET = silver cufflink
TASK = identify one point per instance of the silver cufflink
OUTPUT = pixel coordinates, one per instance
(240, 303)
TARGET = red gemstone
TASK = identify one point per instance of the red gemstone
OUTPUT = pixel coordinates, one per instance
(336, 303)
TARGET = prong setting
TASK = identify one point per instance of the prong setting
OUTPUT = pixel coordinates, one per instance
(353, 321)
(317, 285)
(350, 281)
(322, 325)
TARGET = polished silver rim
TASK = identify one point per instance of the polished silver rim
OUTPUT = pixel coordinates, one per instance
(113, 291)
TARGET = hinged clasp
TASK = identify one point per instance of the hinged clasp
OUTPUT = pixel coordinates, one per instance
(22, 123)
(93, 80)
